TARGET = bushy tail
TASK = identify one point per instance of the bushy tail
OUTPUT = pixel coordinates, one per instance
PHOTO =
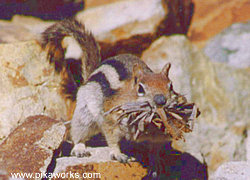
(70, 46)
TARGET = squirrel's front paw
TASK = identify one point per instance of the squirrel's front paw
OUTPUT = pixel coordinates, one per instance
(123, 158)
(79, 150)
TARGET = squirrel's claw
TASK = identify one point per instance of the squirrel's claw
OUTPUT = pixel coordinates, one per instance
(79, 150)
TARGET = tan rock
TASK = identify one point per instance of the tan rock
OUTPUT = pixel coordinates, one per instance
(110, 22)
(109, 170)
(29, 148)
(11, 33)
(237, 54)
(100, 165)
(123, 18)
(221, 92)
(21, 28)
(233, 170)
(33, 24)
(211, 17)
(29, 86)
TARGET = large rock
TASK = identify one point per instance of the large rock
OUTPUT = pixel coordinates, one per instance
(10, 32)
(233, 170)
(109, 22)
(221, 92)
(30, 147)
(211, 17)
(231, 46)
(21, 28)
(123, 19)
(100, 165)
(29, 86)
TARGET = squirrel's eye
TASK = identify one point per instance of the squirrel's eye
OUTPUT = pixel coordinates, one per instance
(141, 91)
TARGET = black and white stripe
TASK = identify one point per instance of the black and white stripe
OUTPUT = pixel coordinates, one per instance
(119, 67)
(110, 75)
(101, 79)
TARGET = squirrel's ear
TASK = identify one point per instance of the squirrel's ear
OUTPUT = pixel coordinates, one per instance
(137, 71)
(165, 69)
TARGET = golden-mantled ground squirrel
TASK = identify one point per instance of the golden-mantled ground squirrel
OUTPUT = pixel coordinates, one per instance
(117, 80)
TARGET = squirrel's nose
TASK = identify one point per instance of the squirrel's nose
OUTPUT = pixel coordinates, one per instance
(160, 99)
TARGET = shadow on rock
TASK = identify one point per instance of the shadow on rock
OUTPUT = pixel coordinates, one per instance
(164, 162)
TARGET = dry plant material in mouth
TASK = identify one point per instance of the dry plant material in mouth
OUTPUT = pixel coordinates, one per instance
(174, 119)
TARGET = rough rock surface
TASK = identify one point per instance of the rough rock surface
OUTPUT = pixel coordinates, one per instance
(233, 170)
(21, 28)
(110, 22)
(29, 148)
(100, 162)
(231, 46)
(221, 92)
(211, 17)
(29, 86)
(9, 33)
(122, 19)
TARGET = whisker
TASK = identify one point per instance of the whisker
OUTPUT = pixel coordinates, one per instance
(138, 117)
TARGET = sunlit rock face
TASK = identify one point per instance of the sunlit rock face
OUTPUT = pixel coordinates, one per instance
(29, 86)
(231, 46)
(30, 147)
(212, 17)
